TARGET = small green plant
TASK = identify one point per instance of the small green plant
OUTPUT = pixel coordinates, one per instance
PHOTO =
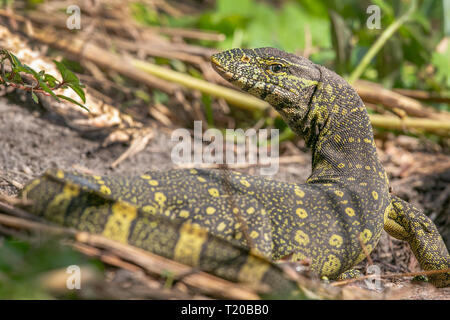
(16, 74)
(24, 263)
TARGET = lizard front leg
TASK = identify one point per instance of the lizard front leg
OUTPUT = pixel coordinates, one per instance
(406, 222)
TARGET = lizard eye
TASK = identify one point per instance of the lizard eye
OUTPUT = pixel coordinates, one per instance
(276, 68)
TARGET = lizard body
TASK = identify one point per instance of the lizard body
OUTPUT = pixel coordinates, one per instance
(330, 220)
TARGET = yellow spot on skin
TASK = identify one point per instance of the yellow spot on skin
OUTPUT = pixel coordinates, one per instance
(235, 210)
(349, 211)
(299, 193)
(213, 192)
(301, 213)
(118, 225)
(153, 182)
(146, 177)
(365, 235)
(339, 193)
(105, 190)
(189, 245)
(149, 209)
(301, 237)
(251, 210)
(245, 183)
(221, 226)
(254, 234)
(367, 140)
(351, 139)
(375, 195)
(331, 266)
(184, 213)
(367, 167)
(341, 165)
(160, 197)
(201, 179)
(210, 210)
(336, 240)
(193, 171)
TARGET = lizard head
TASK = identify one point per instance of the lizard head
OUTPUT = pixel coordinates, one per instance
(308, 96)
(284, 80)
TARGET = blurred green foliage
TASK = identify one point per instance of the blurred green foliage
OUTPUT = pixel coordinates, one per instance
(22, 263)
(442, 63)
(335, 33)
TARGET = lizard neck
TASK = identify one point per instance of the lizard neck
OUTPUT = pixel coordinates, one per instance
(338, 130)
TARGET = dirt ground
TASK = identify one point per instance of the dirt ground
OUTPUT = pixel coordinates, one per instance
(33, 140)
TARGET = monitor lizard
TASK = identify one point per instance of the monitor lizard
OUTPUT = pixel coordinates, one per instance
(234, 225)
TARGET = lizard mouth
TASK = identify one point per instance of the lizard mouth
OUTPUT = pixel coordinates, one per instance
(221, 70)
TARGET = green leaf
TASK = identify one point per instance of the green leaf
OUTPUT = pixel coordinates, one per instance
(27, 69)
(35, 97)
(160, 97)
(67, 75)
(15, 62)
(51, 80)
(79, 91)
(44, 87)
(17, 78)
(73, 101)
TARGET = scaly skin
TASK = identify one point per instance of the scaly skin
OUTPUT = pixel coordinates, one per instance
(343, 206)
(151, 212)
